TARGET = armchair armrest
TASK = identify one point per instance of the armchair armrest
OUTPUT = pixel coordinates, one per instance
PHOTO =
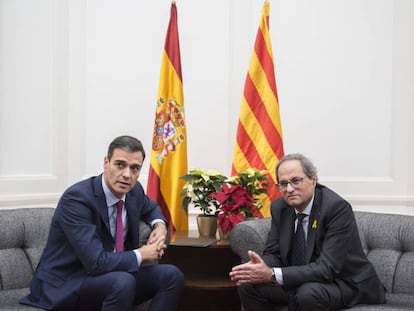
(144, 233)
(249, 235)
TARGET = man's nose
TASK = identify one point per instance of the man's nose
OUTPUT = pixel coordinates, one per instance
(291, 187)
(126, 172)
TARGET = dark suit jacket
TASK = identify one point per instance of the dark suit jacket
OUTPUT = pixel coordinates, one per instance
(80, 243)
(334, 252)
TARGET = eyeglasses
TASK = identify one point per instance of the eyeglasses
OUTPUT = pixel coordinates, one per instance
(295, 182)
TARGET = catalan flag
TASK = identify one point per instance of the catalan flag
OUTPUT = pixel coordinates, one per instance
(259, 142)
(169, 142)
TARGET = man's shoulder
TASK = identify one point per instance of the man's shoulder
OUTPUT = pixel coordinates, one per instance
(86, 186)
(82, 193)
(279, 206)
(327, 193)
(330, 203)
(137, 189)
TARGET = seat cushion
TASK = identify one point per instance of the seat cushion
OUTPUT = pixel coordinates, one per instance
(387, 240)
(24, 233)
(10, 300)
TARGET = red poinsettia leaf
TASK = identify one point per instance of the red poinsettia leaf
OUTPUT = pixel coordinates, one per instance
(232, 208)
(221, 197)
(224, 222)
(256, 213)
(235, 219)
(227, 208)
(241, 197)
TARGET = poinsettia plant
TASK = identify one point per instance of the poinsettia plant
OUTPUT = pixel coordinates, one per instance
(239, 198)
(255, 182)
(198, 187)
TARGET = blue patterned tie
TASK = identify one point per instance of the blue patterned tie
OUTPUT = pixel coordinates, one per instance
(299, 243)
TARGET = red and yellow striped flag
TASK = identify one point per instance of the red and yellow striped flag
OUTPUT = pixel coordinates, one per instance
(169, 144)
(259, 142)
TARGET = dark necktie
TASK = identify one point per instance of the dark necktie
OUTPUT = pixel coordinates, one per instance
(299, 243)
(119, 235)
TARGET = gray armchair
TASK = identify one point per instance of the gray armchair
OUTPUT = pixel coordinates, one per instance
(23, 235)
(388, 241)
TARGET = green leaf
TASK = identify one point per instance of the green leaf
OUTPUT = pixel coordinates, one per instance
(186, 202)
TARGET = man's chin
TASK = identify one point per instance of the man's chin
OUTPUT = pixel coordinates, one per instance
(294, 202)
(122, 190)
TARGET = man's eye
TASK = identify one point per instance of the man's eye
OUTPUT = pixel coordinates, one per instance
(119, 164)
(295, 181)
(283, 183)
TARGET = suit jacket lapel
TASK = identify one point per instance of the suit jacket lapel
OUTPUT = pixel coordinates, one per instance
(313, 224)
(102, 208)
(134, 218)
(287, 225)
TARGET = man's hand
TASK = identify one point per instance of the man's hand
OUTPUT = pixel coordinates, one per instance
(253, 271)
(158, 232)
(154, 251)
(157, 240)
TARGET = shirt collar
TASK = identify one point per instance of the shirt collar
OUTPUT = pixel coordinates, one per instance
(308, 208)
(111, 199)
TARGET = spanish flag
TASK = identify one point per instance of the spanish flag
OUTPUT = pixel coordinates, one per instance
(169, 141)
(259, 142)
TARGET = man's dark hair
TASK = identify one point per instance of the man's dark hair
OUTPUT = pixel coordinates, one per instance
(126, 143)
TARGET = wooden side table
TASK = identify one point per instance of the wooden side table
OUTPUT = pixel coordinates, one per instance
(206, 265)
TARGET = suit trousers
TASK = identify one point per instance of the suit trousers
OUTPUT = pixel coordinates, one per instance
(307, 297)
(119, 290)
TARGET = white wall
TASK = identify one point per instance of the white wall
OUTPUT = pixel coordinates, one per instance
(76, 73)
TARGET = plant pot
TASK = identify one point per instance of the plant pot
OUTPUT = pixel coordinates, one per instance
(207, 225)
(222, 235)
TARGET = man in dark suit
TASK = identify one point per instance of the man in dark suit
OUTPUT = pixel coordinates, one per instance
(92, 259)
(334, 273)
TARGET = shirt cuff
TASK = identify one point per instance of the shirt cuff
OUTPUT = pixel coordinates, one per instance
(139, 257)
(157, 221)
(278, 276)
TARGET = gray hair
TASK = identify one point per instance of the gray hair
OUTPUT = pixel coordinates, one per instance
(308, 168)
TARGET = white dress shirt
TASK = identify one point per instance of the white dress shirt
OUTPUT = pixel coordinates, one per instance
(277, 271)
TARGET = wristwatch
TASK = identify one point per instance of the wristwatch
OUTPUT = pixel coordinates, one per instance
(274, 280)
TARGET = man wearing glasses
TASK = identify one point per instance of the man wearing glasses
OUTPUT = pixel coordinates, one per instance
(313, 258)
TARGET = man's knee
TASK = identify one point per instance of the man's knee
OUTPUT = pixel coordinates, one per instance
(173, 275)
(246, 290)
(247, 293)
(123, 282)
(263, 292)
(316, 296)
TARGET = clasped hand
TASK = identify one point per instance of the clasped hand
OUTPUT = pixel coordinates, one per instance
(155, 247)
